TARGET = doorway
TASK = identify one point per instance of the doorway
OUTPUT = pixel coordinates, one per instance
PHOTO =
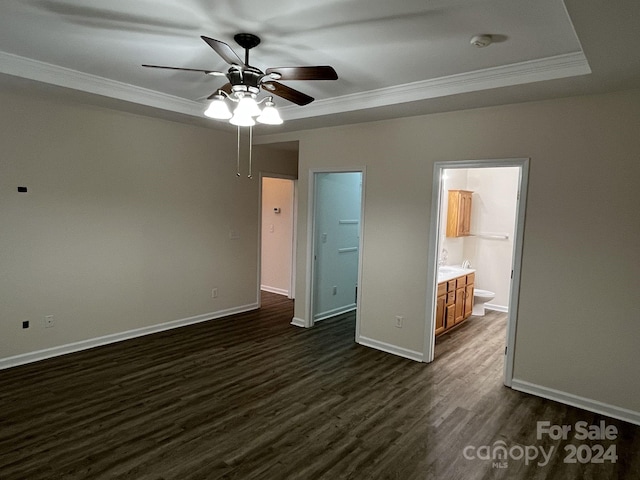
(336, 212)
(484, 242)
(277, 245)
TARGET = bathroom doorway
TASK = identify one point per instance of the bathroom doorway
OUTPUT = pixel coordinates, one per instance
(492, 246)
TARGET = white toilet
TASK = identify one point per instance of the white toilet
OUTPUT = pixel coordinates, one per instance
(480, 297)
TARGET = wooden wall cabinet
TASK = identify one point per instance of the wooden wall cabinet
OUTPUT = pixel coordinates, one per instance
(454, 302)
(459, 213)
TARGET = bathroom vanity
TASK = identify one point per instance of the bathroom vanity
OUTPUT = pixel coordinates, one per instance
(454, 301)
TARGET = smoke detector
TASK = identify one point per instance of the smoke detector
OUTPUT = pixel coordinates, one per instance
(481, 41)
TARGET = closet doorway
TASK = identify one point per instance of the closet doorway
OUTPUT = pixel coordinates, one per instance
(336, 211)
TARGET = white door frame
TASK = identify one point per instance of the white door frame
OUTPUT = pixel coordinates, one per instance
(516, 262)
(294, 213)
(311, 240)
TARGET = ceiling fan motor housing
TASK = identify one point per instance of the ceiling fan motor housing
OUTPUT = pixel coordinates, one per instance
(249, 77)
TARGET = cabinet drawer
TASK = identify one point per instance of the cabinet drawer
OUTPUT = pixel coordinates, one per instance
(471, 278)
(451, 298)
(442, 289)
(461, 281)
(451, 285)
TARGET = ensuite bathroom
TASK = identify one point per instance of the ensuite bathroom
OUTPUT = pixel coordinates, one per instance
(476, 242)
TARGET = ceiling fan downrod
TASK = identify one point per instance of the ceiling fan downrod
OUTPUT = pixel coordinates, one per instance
(247, 41)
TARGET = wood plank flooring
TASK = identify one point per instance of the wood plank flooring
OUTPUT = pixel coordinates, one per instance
(252, 397)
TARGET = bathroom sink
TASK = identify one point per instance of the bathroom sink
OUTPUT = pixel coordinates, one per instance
(447, 269)
(447, 272)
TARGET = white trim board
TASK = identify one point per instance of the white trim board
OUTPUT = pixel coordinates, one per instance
(388, 348)
(38, 355)
(576, 401)
(299, 322)
(334, 312)
(277, 291)
(497, 308)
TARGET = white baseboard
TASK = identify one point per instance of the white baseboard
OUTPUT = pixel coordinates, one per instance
(299, 322)
(279, 291)
(332, 313)
(577, 401)
(388, 348)
(497, 308)
(31, 357)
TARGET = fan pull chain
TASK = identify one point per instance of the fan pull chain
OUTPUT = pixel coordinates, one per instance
(238, 155)
(250, 150)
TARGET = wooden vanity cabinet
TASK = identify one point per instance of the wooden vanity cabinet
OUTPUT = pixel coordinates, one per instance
(459, 213)
(441, 302)
(468, 295)
(461, 284)
(450, 316)
(454, 302)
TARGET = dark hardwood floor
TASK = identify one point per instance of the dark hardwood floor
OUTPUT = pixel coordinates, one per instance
(252, 397)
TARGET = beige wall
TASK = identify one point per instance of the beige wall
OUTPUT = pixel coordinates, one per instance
(578, 326)
(126, 224)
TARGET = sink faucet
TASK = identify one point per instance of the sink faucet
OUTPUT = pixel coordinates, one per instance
(466, 264)
(443, 257)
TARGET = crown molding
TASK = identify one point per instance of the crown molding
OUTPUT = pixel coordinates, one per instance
(560, 66)
(68, 78)
(551, 68)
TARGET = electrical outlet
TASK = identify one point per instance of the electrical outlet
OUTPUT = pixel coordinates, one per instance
(25, 324)
(48, 321)
(214, 292)
(399, 320)
(335, 289)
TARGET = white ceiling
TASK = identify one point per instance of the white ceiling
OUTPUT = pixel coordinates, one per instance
(393, 59)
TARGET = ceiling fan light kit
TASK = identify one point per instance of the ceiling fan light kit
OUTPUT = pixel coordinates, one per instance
(218, 109)
(244, 112)
(245, 82)
(269, 115)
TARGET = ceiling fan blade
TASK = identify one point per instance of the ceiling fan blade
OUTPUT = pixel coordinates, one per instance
(287, 93)
(226, 88)
(224, 50)
(208, 72)
(324, 72)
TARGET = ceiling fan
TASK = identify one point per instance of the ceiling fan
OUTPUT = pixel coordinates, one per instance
(245, 80)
